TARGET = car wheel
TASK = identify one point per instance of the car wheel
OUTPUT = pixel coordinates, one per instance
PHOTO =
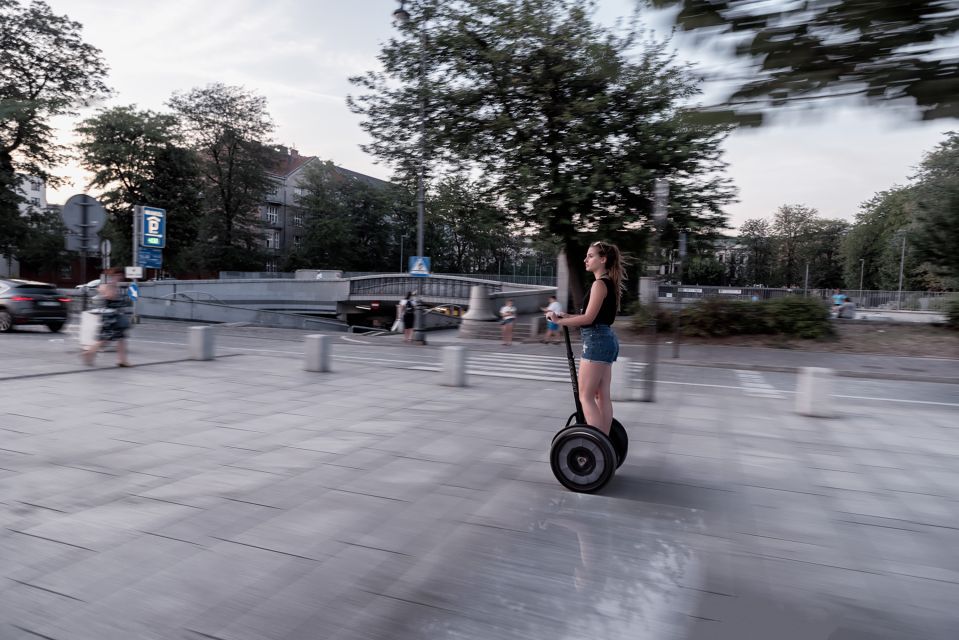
(6, 321)
(55, 326)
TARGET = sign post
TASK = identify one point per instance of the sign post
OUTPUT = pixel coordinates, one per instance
(419, 266)
(149, 239)
(84, 217)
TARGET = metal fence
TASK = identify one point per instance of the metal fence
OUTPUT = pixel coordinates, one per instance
(864, 299)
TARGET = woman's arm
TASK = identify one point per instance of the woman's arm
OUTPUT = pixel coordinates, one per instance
(596, 295)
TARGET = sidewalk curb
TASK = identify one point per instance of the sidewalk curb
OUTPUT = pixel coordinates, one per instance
(50, 374)
(839, 372)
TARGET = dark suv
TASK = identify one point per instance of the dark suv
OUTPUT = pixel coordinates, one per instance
(26, 302)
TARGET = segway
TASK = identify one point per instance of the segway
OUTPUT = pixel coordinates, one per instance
(581, 456)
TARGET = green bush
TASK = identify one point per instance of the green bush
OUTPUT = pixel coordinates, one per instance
(717, 317)
(951, 308)
(796, 316)
(793, 316)
(641, 316)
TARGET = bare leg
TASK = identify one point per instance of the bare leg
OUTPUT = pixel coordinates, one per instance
(603, 398)
(122, 351)
(590, 379)
(508, 333)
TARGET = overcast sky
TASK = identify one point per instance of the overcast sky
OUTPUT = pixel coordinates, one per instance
(299, 54)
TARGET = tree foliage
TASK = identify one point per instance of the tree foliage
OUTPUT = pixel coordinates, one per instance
(881, 50)
(229, 129)
(755, 235)
(791, 226)
(472, 229)
(350, 222)
(46, 70)
(568, 121)
(137, 158)
(936, 229)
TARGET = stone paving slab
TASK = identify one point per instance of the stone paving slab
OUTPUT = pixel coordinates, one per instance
(245, 498)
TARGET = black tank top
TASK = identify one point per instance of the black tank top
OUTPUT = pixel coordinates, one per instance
(607, 312)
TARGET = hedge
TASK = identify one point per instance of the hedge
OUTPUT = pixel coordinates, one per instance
(791, 316)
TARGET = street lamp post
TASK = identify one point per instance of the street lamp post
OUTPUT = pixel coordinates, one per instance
(401, 16)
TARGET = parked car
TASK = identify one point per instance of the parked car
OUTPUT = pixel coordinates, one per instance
(449, 310)
(90, 287)
(26, 302)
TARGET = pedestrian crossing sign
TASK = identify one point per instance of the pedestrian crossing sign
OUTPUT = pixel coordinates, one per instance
(419, 266)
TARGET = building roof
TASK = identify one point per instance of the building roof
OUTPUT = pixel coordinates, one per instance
(288, 161)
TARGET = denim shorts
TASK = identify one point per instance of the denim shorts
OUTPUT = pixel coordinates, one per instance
(552, 326)
(600, 344)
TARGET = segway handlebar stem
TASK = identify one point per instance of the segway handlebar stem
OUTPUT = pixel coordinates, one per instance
(580, 416)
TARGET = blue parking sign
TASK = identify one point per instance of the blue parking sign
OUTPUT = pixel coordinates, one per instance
(153, 225)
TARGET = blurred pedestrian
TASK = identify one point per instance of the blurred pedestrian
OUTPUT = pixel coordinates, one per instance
(114, 322)
(600, 344)
(507, 314)
(552, 329)
(409, 316)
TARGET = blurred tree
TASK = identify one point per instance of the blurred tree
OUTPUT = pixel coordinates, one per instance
(876, 237)
(755, 236)
(936, 229)
(471, 227)
(43, 249)
(46, 70)
(350, 222)
(881, 50)
(822, 251)
(705, 270)
(136, 158)
(570, 122)
(228, 127)
(792, 227)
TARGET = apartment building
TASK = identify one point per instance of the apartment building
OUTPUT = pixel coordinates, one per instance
(283, 219)
(34, 193)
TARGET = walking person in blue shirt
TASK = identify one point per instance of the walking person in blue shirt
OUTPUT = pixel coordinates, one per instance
(600, 345)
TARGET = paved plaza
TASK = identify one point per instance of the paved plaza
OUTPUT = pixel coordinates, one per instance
(246, 499)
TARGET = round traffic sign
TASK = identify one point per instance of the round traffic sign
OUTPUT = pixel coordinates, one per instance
(82, 211)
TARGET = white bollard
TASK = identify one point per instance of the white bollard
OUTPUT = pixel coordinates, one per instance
(454, 366)
(318, 348)
(813, 392)
(201, 343)
(621, 387)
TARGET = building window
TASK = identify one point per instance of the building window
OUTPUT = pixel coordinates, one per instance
(272, 213)
(271, 266)
(273, 240)
(35, 202)
(298, 219)
(296, 241)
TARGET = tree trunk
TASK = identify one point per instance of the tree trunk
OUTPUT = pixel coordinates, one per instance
(574, 265)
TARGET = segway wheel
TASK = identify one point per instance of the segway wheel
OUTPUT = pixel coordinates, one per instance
(617, 436)
(620, 442)
(582, 458)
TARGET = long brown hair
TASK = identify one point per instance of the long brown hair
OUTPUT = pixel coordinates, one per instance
(615, 268)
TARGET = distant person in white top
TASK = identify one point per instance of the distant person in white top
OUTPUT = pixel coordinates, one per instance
(552, 329)
(507, 314)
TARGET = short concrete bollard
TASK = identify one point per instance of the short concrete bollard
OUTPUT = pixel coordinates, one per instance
(318, 348)
(201, 343)
(537, 326)
(621, 387)
(813, 392)
(454, 366)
